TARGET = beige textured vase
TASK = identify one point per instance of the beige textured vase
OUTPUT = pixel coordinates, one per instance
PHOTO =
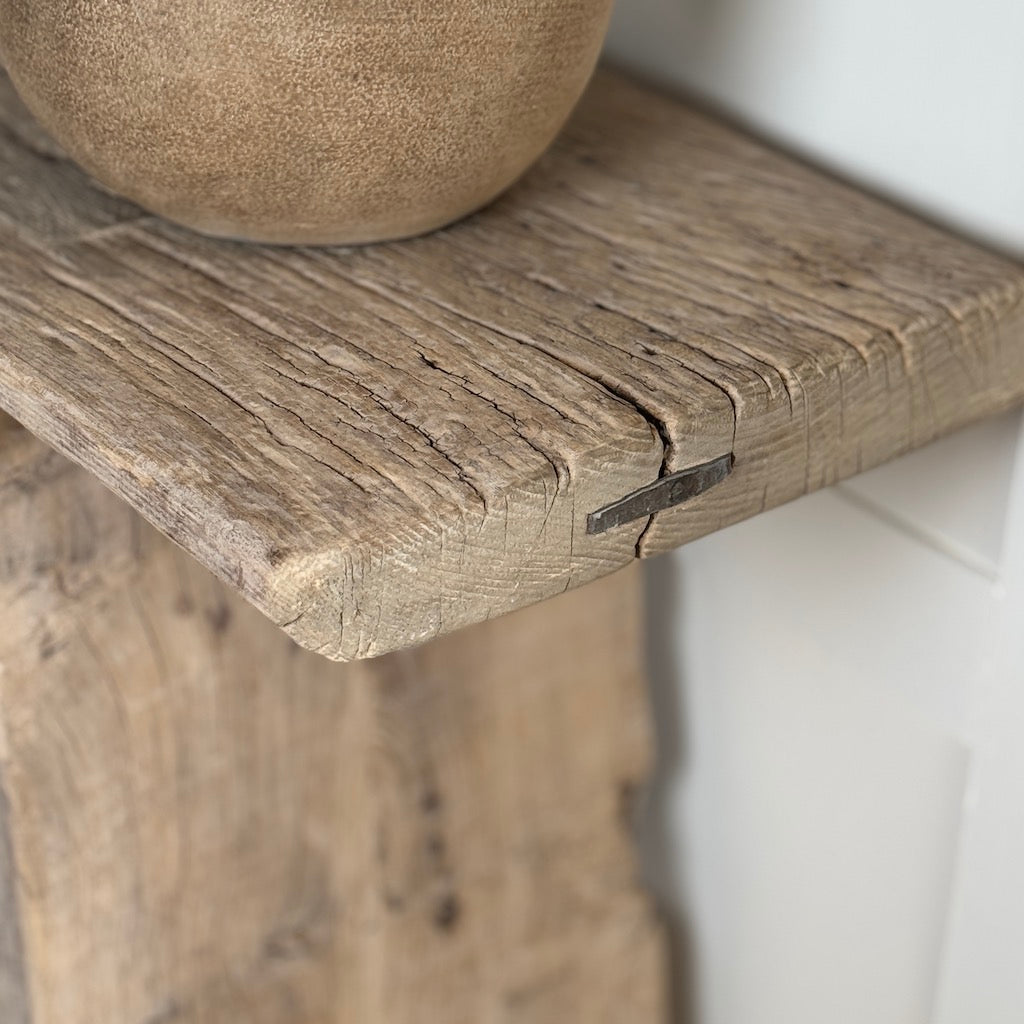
(316, 121)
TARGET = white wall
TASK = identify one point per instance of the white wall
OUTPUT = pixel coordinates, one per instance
(924, 98)
(838, 822)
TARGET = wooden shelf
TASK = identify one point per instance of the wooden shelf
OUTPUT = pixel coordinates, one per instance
(381, 445)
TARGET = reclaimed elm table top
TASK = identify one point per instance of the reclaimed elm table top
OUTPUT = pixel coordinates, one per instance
(377, 446)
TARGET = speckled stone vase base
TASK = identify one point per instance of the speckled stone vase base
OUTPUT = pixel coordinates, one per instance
(354, 121)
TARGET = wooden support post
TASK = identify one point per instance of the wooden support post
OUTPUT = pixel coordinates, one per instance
(664, 329)
(200, 822)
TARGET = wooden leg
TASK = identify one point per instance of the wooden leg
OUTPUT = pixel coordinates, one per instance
(200, 822)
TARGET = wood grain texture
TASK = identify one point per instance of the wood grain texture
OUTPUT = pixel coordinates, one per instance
(379, 446)
(14, 995)
(14, 1004)
(210, 825)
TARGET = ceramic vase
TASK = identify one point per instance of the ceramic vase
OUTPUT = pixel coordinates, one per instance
(303, 121)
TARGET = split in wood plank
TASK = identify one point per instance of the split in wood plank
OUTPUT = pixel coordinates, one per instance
(382, 445)
(200, 823)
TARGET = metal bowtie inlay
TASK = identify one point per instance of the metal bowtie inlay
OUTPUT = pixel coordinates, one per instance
(665, 493)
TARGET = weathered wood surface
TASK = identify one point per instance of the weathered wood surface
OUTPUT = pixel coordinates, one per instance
(380, 446)
(209, 825)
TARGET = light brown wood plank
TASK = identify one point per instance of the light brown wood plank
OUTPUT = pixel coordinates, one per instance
(383, 445)
(14, 996)
(210, 825)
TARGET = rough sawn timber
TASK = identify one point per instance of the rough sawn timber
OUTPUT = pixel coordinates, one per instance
(378, 446)
(201, 823)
